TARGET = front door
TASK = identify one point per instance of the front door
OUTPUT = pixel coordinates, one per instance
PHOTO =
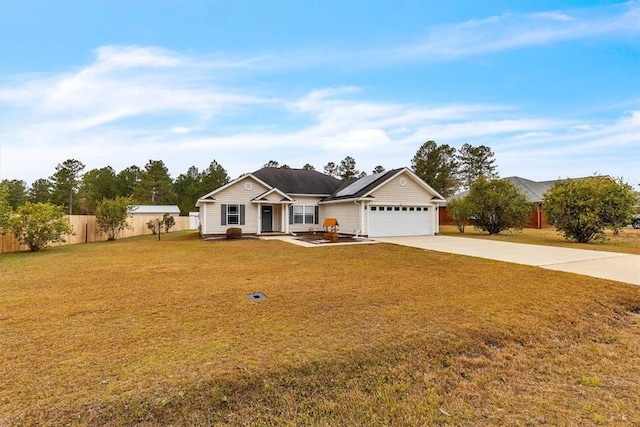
(267, 218)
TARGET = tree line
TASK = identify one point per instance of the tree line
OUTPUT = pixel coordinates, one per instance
(78, 192)
(580, 209)
(445, 168)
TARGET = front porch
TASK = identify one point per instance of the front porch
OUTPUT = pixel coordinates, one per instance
(273, 219)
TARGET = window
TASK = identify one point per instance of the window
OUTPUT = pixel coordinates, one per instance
(309, 215)
(303, 214)
(373, 208)
(232, 215)
(404, 209)
(298, 214)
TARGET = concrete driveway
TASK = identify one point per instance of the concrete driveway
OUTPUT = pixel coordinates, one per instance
(605, 265)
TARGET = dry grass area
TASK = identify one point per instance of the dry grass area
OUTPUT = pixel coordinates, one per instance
(627, 241)
(141, 332)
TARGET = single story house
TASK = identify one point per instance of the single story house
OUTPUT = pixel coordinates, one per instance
(534, 192)
(276, 200)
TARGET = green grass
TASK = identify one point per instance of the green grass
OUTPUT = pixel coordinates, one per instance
(142, 332)
(627, 241)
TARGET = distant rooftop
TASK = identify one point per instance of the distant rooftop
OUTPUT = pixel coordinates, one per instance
(155, 209)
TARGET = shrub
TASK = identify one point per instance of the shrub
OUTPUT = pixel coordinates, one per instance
(581, 209)
(5, 209)
(111, 216)
(458, 209)
(152, 225)
(167, 222)
(234, 233)
(497, 205)
(38, 224)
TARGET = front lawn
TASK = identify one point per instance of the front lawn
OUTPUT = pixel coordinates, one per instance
(148, 332)
(627, 241)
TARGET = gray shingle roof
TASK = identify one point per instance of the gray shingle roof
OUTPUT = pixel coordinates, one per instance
(533, 191)
(298, 181)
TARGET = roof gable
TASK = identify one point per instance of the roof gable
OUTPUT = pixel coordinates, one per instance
(274, 191)
(365, 186)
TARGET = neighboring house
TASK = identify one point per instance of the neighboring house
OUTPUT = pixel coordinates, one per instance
(155, 210)
(533, 191)
(392, 203)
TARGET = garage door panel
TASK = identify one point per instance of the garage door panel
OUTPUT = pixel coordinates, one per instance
(399, 221)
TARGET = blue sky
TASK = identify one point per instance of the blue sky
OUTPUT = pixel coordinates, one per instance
(552, 87)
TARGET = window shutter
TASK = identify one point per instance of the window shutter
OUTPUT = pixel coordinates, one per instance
(317, 214)
(223, 214)
(291, 214)
(241, 214)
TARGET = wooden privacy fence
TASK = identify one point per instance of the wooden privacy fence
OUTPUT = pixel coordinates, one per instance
(85, 229)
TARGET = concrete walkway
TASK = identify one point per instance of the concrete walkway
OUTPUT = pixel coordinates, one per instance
(605, 265)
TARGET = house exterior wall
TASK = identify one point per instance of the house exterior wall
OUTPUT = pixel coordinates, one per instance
(536, 218)
(307, 201)
(234, 194)
(392, 193)
(409, 194)
(444, 217)
(347, 214)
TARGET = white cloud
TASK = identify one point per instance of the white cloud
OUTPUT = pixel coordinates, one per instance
(510, 31)
(133, 103)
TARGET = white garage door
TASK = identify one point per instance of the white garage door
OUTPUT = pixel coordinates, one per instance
(399, 221)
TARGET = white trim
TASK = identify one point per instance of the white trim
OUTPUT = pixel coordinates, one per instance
(309, 195)
(258, 198)
(229, 184)
(413, 176)
(352, 199)
(259, 227)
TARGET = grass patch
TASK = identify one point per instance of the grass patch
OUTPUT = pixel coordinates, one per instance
(627, 241)
(148, 332)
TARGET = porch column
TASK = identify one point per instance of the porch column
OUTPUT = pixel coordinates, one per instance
(286, 218)
(259, 219)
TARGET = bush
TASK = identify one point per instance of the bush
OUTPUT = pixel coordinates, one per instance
(152, 225)
(234, 233)
(581, 209)
(495, 206)
(167, 222)
(111, 216)
(38, 224)
(5, 209)
(458, 209)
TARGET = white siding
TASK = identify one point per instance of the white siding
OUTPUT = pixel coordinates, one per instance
(411, 194)
(347, 214)
(307, 201)
(234, 194)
